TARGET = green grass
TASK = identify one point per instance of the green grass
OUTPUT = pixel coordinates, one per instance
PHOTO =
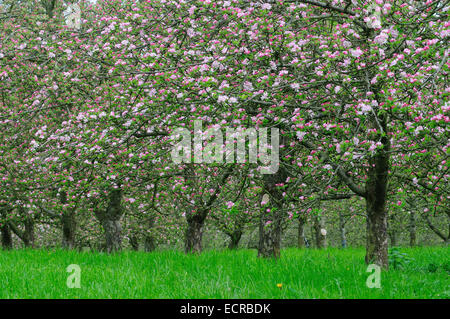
(307, 273)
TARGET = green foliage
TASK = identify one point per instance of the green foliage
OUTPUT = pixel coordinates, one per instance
(446, 267)
(432, 267)
(397, 259)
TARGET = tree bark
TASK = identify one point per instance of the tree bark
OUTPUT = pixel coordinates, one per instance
(113, 235)
(377, 241)
(235, 237)
(7, 242)
(134, 242)
(412, 229)
(342, 230)
(376, 196)
(269, 235)
(436, 230)
(194, 234)
(392, 232)
(49, 6)
(28, 234)
(110, 220)
(321, 240)
(195, 221)
(68, 230)
(68, 223)
(301, 240)
(272, 213)
(271, 216)
(150, 241)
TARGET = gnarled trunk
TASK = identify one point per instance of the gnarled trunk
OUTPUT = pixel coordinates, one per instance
(270, 227)
(68, 230)
(68, 223)
(377, 239)
(392, 232)
(110, 220)
(269, 236)
(412, 229)
(150, 241)
(376, 196)
(134, 242)
(235, 237)
(28, 234)
(194, 233)
(272, 213)
(113, 235)
(301, 240)
(196, 220)
(342, 230)
(49, 6)
(321, 239)
(271, 216)
(7, 242)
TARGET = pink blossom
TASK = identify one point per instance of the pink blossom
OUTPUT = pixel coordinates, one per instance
(356, 52)
(381, 38)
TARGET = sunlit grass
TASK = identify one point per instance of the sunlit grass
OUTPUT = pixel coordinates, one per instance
(307, 273)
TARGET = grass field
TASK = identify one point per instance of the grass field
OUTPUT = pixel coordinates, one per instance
(307, 273)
